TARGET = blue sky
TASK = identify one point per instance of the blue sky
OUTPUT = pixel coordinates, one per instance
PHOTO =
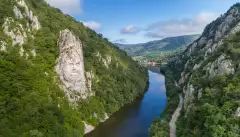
(137, 21)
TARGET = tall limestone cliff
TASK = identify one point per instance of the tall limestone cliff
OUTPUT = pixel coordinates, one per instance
(213, 54)
(58, 77)
(207, 76)
(70, 66)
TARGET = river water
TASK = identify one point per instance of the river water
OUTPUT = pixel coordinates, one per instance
(133, 120)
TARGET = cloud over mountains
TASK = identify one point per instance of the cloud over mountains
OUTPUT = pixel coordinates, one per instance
(174, 27)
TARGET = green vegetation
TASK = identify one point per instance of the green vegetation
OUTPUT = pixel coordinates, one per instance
(212, 112)
(213, 115)
(161, 57)
(158, 50)
(159, 127)
(32, 103)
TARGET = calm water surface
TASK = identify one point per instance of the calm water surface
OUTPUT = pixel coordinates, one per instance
(134, 120)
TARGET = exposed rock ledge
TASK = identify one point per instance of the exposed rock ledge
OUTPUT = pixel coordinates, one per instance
(238, 112)
(88, 128)
(221, 66)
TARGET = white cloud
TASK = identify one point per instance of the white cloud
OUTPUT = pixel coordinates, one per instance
(171, 28)
(130, 29)
(67, 6)
(92, 25)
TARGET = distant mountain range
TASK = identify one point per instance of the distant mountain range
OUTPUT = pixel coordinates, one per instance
(166, 44)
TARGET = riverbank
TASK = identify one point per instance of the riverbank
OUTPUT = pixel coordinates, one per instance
(175, 116)
(134, 119)
(160, 127)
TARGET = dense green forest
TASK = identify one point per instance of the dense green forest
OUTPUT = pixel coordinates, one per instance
(32, 104)
(213, 115)
(209, 86)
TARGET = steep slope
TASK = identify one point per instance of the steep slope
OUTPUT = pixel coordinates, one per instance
(166, 44)
(208, 74)
(57, 77)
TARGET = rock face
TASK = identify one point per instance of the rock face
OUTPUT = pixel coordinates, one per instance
(88, 128)
(70, 66)
(3, 45)
(188, 95)
(205, 47)
(17, 12)
(105, 117)
(90, 77)
(17, 33)
(238, 112)
(35, 24)
(221, 66)
(106, 61)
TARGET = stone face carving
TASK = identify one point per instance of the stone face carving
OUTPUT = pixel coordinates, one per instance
(70, 65)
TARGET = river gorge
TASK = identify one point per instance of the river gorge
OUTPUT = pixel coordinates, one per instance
(133, 120)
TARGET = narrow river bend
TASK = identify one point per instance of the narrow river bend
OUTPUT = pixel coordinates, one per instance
(134, 119)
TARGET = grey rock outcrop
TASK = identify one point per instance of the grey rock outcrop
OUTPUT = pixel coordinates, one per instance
(90, 77)
(188, 95)
(17, 12)
(237, 114)
(17, 33)
(206, 46)
(88, 128)
(191, 49)
(3, 46)
(106, 61)
(70, 66)
(35, 24)
(105, 118)
(197, 66)
(221, 66)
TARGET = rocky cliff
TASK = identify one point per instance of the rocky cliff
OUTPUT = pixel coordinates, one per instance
(209, 76)
(58, 77)
(198, 54)
(70, 66)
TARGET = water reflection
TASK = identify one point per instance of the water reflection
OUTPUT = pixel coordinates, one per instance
(134, 120)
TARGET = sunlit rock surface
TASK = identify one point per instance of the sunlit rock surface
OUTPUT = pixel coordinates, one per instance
(70, 66)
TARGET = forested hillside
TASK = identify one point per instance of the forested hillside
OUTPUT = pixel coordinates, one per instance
(156, 50)
(58, 77)
(207, 75)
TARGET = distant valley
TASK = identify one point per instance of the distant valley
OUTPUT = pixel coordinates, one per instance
(158, 49)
